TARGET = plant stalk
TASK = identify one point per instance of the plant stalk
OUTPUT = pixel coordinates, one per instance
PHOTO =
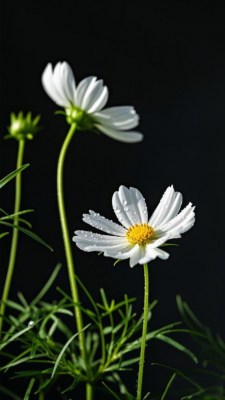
(89, 392)
(15, 234)
(144, 333)
(67, 239)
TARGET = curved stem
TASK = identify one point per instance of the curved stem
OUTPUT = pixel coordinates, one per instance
(14, 242)
(144, 333)
(67, 239)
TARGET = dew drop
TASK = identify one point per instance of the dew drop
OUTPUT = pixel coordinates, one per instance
(30, 323)
(126, 208)
(124, 202)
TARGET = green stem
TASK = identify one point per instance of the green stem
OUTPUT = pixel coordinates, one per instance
(67, 238)
(14, 242)
(41, 395)
(89, 392)
(144, 333)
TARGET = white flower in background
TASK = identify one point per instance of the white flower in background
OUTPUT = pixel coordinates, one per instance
(139, 238)
(84, 104)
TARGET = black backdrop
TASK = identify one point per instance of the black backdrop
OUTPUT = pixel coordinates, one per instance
(166, 59)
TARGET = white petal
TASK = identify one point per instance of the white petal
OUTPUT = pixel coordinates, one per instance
(123, 255)
(163, 206)
(60, 84)
(51, 89)
(98, 98)
(97, 238)
(102, 223)
(122, 136)
(137, 256)
(182, 222)
(161, 254)
(129, 204)
(118, 120)
(119, 114)
(141, 205)
(82, 88)
(119, 209)
(91, 89)
(161, 240)
(172, 209)
(69, 82)
(105, 248)
(151, 254)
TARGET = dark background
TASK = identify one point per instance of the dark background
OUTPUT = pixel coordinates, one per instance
(168, 61)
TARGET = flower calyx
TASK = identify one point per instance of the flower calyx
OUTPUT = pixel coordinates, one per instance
(81, 118)
(23, 127)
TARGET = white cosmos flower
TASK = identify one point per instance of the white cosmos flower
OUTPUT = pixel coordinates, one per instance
(137, 238)
(84, 104)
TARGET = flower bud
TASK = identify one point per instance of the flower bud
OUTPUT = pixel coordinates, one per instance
(23, 127)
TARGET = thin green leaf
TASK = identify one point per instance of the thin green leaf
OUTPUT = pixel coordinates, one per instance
(177, 345)
(43, 385)
(23, 360)
(28, 391)
(11, 216)
(28, 233)
(3, 234)
(63, 351)
(18, 334)
(3, 211)
(47, 286)
(73, 386)
(180, 373)
(186, 313)
(12, 175)
(23, 300)
(9, 393)
(111, 391)
(168, 386)
(15, 306)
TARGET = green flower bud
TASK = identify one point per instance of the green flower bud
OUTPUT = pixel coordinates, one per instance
(23, 127)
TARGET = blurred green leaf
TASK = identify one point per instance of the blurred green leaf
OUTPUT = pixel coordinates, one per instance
(12, 175)
(28, 233)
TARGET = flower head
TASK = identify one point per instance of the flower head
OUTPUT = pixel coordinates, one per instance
(23, 127)
(137, 238)
(84, 104)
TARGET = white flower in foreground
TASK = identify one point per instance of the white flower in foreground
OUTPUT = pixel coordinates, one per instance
(84, 103)
(140, 238)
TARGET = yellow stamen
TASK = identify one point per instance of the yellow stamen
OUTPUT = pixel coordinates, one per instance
(140, 234)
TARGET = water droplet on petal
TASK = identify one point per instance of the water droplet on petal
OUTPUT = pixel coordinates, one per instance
(124, 202)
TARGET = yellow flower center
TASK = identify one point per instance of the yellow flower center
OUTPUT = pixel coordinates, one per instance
(140, 234)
